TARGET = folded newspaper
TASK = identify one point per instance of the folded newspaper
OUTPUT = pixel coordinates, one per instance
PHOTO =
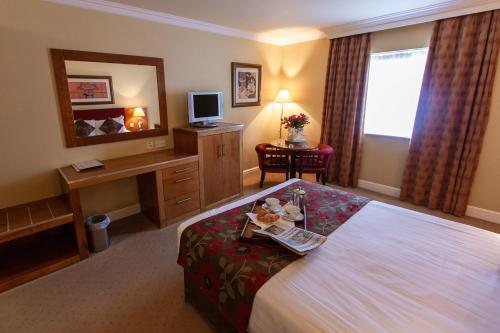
(284, 232)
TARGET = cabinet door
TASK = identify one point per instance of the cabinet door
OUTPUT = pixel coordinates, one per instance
(231, 163)
(212, 168)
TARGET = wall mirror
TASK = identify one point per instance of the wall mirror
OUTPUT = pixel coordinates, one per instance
(106, 97)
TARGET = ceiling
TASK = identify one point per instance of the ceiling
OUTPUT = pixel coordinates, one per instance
(288, 21)
(264, 15)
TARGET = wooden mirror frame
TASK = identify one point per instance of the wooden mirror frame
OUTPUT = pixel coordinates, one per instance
(59, 57)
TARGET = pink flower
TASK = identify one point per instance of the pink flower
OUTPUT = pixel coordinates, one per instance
(352, 208)
(341, 217)
(295, 121)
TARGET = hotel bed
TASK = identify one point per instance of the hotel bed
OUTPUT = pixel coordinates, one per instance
(385, 269)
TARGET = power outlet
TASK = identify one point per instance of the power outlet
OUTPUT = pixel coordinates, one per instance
(160, 143)
(150, 145)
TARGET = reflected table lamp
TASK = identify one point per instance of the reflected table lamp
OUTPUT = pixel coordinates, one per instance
(139, 113)
(282, 98)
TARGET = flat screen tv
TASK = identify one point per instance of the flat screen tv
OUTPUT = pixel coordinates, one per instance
(205, 108)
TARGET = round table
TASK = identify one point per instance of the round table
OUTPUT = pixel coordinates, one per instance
(294, 148)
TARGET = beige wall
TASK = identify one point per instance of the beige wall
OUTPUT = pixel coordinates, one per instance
(486, 187)
(32, 141)
(303, 74)
(383, 158)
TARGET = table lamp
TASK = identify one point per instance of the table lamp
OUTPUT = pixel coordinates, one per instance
(283, 97)
(139, 113)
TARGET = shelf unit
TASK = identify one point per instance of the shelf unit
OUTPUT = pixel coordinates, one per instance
(36, 239)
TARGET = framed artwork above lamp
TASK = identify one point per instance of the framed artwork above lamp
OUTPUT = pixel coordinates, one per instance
(245, 82)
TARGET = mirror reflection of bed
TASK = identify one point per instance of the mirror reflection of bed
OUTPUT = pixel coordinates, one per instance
(111, 98)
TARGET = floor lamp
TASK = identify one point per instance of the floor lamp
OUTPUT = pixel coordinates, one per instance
(282, 98)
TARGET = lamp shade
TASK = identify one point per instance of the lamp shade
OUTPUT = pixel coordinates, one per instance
(139, 112)
(283, 97)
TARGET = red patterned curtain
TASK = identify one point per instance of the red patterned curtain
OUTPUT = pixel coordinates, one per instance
(343, 110)
(452, 112)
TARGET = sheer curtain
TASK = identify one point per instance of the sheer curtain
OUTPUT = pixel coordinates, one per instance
(394, 82)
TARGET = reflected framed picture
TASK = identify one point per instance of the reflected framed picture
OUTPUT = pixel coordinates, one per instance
(245, 81)
(90, 89)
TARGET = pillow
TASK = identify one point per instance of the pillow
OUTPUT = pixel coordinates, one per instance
(110, 126)
(85, 127)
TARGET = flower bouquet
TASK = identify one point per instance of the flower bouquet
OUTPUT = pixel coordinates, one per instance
(295, 126)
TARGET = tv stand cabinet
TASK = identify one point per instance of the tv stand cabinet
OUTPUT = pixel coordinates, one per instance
(204, 124)
(220, 160)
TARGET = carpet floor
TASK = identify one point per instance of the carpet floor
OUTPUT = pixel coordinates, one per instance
(134, 286)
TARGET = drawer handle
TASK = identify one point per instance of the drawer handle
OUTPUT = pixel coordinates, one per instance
(219, 151)
(183, 170)
(182, 180)
(182, 201)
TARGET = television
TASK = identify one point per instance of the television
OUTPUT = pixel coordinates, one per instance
(205, 108)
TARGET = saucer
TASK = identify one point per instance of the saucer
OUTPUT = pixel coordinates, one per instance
(276, 210)
(298, 217)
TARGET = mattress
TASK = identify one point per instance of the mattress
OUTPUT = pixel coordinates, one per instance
(387, 269)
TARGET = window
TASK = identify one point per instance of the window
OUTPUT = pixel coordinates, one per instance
(393, 90)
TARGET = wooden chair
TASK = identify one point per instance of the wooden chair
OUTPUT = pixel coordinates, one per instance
(272, 160)
(315, 161)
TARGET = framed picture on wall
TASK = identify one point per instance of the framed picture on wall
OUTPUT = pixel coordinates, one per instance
(90, 89)
(245, 81)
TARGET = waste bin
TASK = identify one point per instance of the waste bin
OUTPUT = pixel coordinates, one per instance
(97, 227)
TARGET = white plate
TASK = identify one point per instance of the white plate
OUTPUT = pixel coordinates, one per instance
(299, 217)
(266, 207)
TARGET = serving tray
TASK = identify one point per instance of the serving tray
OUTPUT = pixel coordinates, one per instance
(247, 234)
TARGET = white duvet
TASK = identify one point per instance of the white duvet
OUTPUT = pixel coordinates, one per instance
(387, 269)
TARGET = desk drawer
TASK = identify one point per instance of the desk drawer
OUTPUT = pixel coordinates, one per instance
(181, 184)
(181, 205)
(181, 169)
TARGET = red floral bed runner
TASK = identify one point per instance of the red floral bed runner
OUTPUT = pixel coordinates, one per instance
(228, 273)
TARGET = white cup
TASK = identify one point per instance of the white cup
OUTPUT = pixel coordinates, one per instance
(272, 203)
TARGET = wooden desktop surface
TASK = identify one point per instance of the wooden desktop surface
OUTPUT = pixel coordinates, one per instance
(203, 131)
(123, 167)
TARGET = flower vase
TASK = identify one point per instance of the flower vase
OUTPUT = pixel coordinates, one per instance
(296, 135)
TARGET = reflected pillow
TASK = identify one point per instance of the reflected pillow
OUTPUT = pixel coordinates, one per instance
(110, 126)
(85, 127)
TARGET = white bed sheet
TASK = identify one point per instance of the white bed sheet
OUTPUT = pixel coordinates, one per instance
(387, 269)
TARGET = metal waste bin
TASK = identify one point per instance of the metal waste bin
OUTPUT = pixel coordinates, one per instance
(97, 227)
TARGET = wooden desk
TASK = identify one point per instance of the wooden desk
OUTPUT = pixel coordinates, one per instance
(168, 186)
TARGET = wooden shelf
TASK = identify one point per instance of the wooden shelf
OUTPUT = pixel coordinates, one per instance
(36, 239)
(33, 217)
(27, 258)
